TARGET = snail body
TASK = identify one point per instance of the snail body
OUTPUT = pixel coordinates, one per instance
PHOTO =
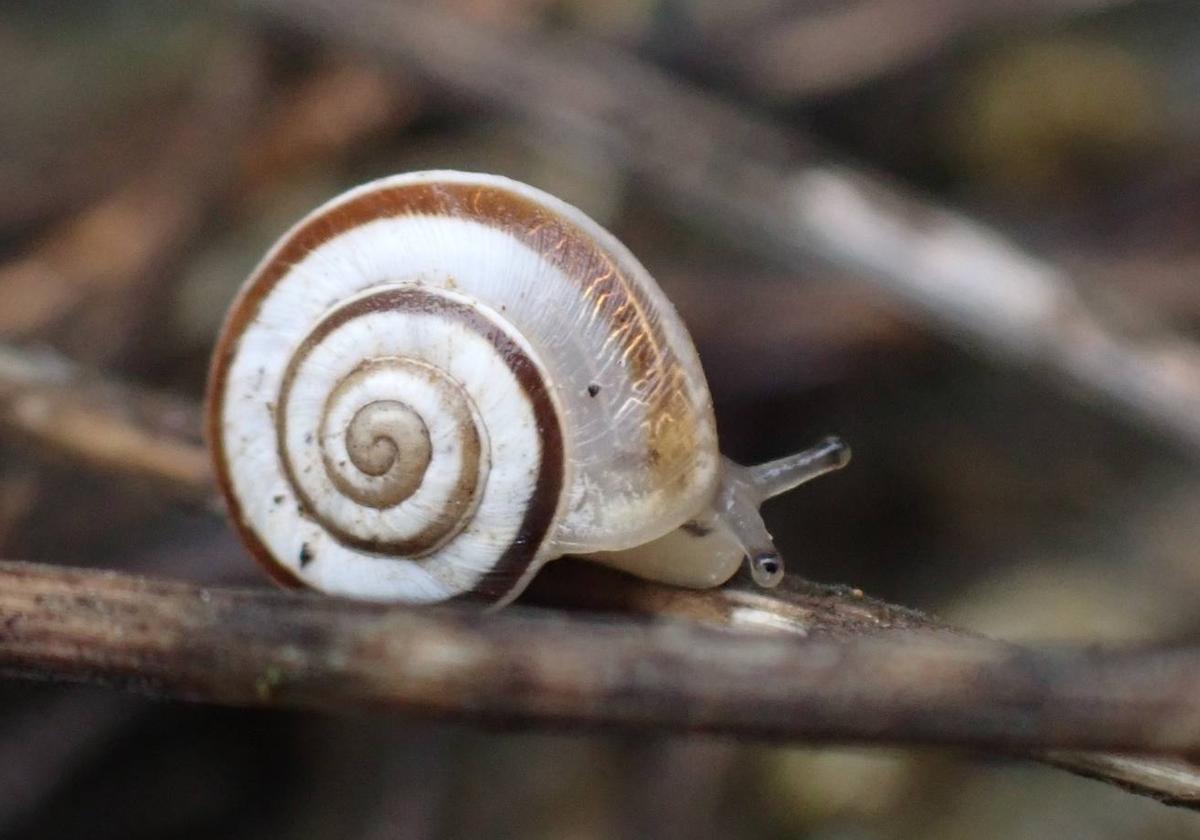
(437, 382)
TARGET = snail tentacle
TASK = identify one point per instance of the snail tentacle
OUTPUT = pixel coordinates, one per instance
(774, 478)
(744, 489)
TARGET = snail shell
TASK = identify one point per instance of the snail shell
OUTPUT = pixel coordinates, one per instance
(438, 381)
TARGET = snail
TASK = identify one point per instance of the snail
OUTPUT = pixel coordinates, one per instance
(439, 381)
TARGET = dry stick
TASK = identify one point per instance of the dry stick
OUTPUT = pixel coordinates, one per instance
(155, 442)
(812, 610)
(755, 182)
(275, 648)
(832, 48)
(51, 403)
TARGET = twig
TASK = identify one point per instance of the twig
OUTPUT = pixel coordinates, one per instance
(754, 181)
(808, 609)
(1170, 781)
(797, 607)
(50, 402)
(266, 647)
(830, 49)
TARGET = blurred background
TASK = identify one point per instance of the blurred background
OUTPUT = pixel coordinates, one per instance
(151, 152)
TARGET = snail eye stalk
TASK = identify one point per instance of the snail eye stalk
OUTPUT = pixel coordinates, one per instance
(744, 489)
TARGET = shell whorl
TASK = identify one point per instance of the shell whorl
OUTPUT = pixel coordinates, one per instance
(438, 381)
(378, 427)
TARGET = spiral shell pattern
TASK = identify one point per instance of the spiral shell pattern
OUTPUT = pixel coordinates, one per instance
(438, 381)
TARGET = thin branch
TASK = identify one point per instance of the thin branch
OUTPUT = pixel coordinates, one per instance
(274, 648)
(813, 610)
(761, 184)
(70, 414)
(1170, 781)
(833, 48)
(796, 607)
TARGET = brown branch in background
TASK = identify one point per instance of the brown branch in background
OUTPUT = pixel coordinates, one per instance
(1170, 781)
(87, 284)
(155, 440)
(822, 51)
(89, 276)
(754, 181)
(96, 163)
(323, 116)
(828, 328)
(50, 403)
